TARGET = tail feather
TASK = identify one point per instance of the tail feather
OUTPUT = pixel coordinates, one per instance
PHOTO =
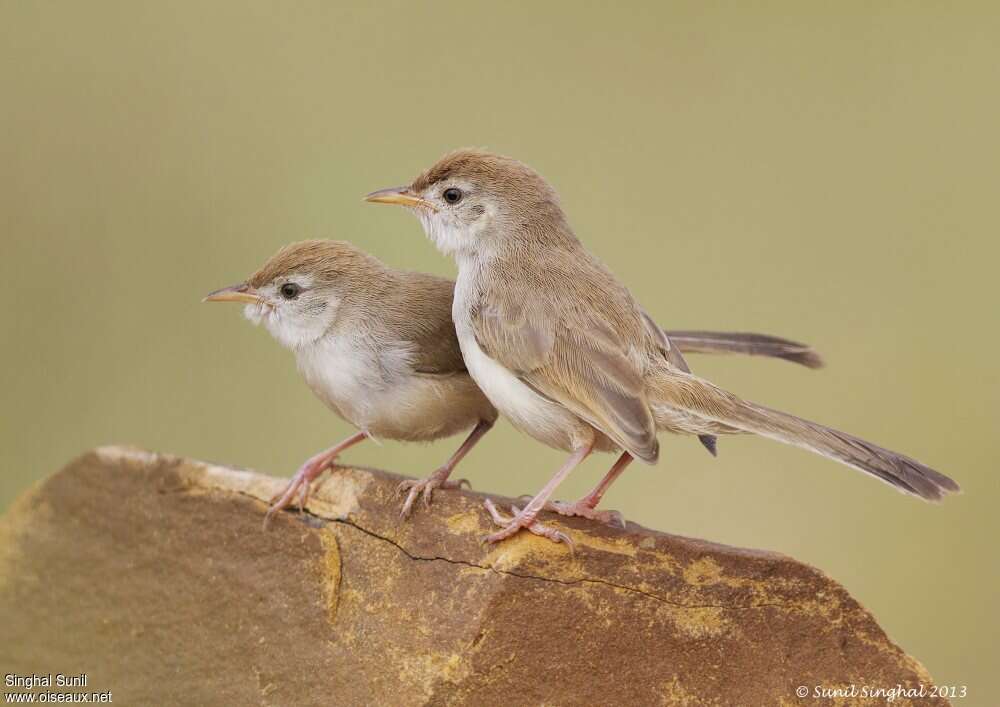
(691, 394)
(709, 342)
(711, 443)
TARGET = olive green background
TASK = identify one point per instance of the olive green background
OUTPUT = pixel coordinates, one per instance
(825, 173)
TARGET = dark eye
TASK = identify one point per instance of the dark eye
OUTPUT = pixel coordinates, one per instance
(290, 290)
(453, 195)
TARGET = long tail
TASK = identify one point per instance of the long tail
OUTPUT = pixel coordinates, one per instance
(683, 391)
(745, 343)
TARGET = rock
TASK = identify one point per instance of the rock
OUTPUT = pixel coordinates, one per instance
(152, 575)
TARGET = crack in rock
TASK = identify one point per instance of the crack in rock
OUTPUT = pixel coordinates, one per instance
(306, 516)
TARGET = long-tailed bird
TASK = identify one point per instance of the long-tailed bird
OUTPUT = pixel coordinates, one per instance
(565, 352)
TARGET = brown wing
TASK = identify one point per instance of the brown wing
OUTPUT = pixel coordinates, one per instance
(673, 354)
(573, 357)
(418, 309)
(665, 344)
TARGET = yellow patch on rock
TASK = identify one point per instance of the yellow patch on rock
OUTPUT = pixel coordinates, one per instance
(330, 570)
(29, 507)
(703, 571)
(619, 544)
(512, 552)
(674, 694)
(700, 622)
(465, 524)
(424, 670)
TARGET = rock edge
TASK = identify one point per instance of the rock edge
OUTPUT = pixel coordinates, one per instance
(151, 574)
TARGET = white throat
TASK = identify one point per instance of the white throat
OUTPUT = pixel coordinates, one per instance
(443, 231)
(452, 236)
(289, 326)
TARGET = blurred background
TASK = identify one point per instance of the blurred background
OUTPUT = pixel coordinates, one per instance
(828, 174)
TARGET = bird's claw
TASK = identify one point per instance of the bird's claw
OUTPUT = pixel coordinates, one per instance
(296, 492)
(425, 487)
(584, 510)
(511, 525)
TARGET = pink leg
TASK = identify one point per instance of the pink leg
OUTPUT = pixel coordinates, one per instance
(526, 518)
(439, 479)
(586, 506)
(307, 473)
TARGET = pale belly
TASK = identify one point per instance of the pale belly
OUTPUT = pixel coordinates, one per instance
(548, 422)
(384, 397)
(425, 408)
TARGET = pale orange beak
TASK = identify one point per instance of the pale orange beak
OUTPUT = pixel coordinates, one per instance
(237, 293)
(401, 196)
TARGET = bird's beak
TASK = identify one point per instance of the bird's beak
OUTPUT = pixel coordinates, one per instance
(402, 196)
(237, 293)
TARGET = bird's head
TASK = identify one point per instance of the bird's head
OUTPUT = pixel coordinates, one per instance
(472, 201)
(297, 294)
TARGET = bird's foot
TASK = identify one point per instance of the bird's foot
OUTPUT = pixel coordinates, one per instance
(298, 489)
(425, 487)
(585, 510)
(521, 519)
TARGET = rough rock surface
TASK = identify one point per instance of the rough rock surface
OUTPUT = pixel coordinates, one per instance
(152, 575)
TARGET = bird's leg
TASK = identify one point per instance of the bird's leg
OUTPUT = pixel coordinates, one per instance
(439, 479)
(307, 473)
(526, 518)
(586, 506)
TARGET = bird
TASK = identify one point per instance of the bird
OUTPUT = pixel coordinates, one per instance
(377, 345)
(566, 353)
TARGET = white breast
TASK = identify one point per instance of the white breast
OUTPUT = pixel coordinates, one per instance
(374, 388)
(548, 422)
(345, 372)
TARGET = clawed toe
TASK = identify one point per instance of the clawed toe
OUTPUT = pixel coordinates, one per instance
(583, 510)
(414, 488)
(304, 491)
(425, 488)
(511, 525)
(296, 492)
(284, 499)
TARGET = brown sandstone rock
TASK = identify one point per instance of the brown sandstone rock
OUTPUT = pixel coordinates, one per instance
(152, 575)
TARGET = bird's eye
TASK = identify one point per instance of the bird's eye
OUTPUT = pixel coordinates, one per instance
(290, 290)
(452, 195)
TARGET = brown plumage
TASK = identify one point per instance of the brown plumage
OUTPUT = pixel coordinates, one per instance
(565, 352)
(709, 342)
(675, 390)
(378, 346)
(414, 306)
